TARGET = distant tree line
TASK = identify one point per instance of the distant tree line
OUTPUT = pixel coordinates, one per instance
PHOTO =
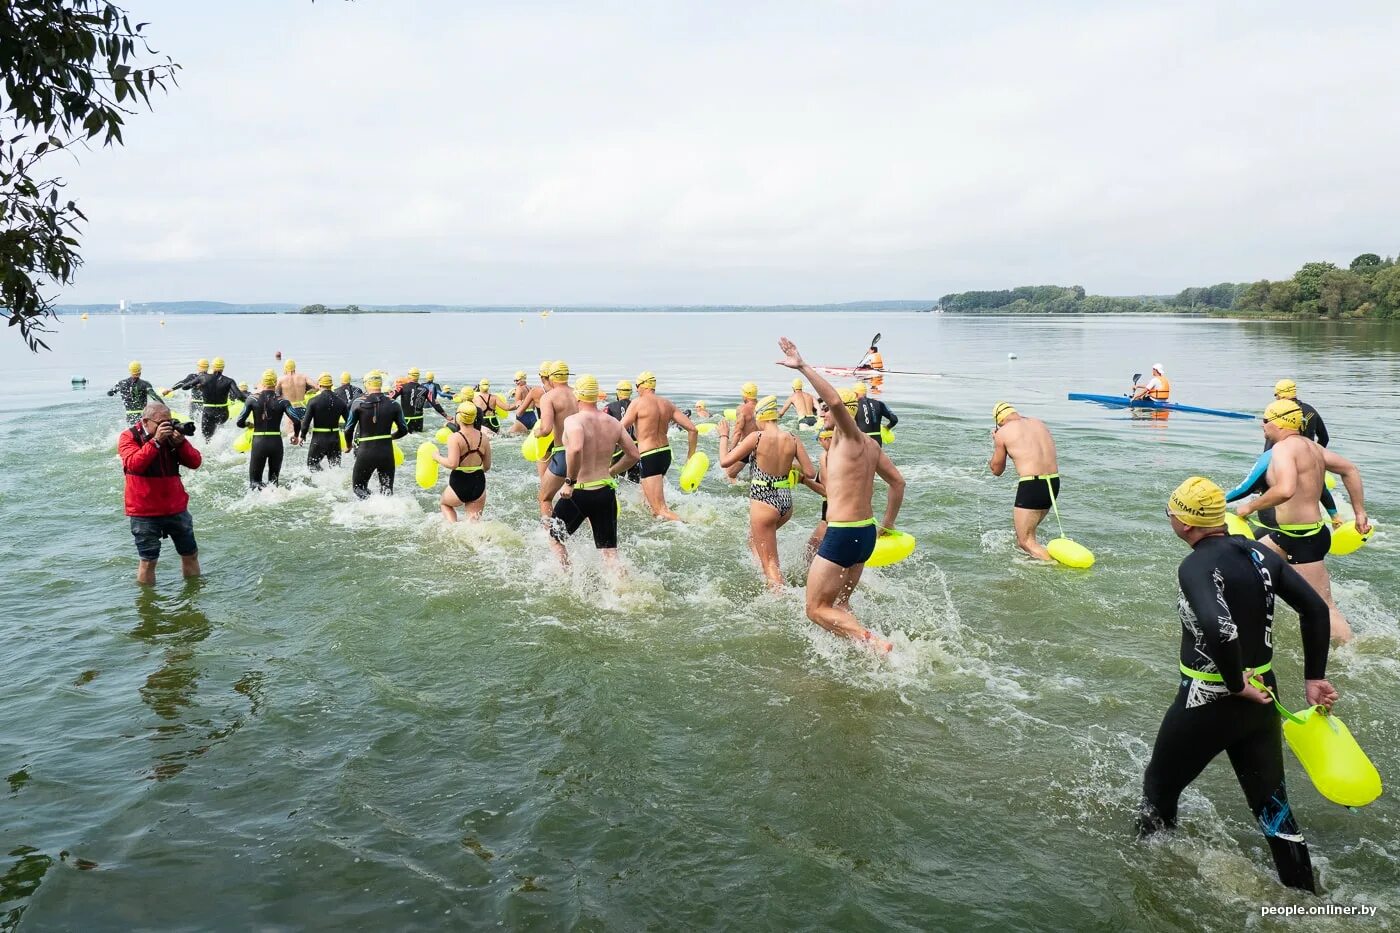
(322, 309)
(1368, 288)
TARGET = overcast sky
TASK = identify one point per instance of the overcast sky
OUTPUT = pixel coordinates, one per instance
(402, 151)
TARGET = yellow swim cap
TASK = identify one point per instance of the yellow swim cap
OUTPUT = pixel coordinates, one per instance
(545, 367)
(859, 388)
(466, 413)
(1001, 412)
(243, 387)
(586, 388)
(797, 385)
(218, 364)
(374, 380)
(1285, 413)
(483, 386)
(290, 366)
(624, 387)
(1199, 503)
(647, 380)
(345, 379)
(701, 404)
(414, 374)
(134, 367)
(559, 371)
(324, 380)
(1285, 388)
(520, 375)
(848, 398)
(767, 408)
(825, 434)
(203, 366)
(269, 379)
(749, 390)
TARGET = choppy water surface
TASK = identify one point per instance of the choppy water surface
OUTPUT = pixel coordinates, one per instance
(364, 718)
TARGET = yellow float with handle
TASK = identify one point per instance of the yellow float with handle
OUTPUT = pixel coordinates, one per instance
(1238, 526)
(1347, 539)
(1335, 763)
(425, 471)
(398, 454)
(535, 448)
(886, 434)
(704, 428)
(731, 414)
(694, 471)
(1062, 549)
(442, 434)
(891, 547)
(244, 442)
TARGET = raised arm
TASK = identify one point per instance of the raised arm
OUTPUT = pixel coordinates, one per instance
(845, 423)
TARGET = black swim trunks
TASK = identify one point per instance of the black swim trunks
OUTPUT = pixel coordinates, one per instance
(1303, 544)
(1034, 492)
(655, 462)
(597, 504)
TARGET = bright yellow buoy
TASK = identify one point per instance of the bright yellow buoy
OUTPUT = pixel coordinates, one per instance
(1347, 539)
(886, 434)
(1238, 526)
(244, 442)
(891, 547)
(425, 471)
(442, 435)
(1339, 769)
(707, 428)
(398, 454)
(534, 448)
(694, 471)
(1070, 553)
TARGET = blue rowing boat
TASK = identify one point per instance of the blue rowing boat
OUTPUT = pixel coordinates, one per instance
(1123, 401)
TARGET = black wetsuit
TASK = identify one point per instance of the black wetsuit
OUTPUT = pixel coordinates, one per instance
(219, 392)
(413, 397)
(193, 384)
(869, 413)
(135, 393)
(617, 408)
(380, 422)
(348, 393)
(1226, 603)
(322, 425)
(267, 410)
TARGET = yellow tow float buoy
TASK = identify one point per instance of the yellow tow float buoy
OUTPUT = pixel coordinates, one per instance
(398, 454)
(425, 471)
(1238, 526)
(707, 428)
(244, 442)
(1329, 480)
(891, 547)
(731, 414)
(534, 448)
(502, 414)
(694, 471)
(886, 434)
(1347, 539)
(1339, 769)
(1070, 553)
(442, 435)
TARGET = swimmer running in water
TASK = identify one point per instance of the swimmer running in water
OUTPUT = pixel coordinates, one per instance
(413, 397)
(701, 412)
(617, 408)
(803, 403)
(652, 415)
(347, 390)
(325, 413)
(525, 414)
(852, 463)
(1226, 692)
(219, 393)
(556, 405)
(293, 387)
(744, 423)
(1028, 443)
(590, 486)
(135, 392)
(469, 458)
(774, 451)
(193, 383)
(488, 404)
(380, 423)
(1296, 474)
(267, 409)
(872, 415)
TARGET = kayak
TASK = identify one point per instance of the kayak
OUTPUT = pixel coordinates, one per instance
(865, 372)
(1123, 401)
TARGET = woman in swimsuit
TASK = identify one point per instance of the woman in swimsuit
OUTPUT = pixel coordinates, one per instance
(469, 458)
(773, 452)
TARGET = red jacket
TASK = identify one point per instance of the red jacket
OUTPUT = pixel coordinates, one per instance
(153, 485)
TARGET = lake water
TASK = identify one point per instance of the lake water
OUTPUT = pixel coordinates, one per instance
(362, 718)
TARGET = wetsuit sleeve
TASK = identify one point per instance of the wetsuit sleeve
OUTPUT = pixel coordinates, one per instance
(237, 393)
(1314, 619)
(1256, 476)
(1321, 429)
(433, 402)
(306, 421)
(885, 410)
(1202, 587)
(115, 389)
(1328, 502)
(242, 421)
(185, 383)
(400, 426)
(350, 420)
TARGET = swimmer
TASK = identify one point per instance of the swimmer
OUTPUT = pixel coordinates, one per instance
(469, 458)
(652, 415)
(192, 384)
(293, 387)
(219, 393)
(1158, 388)
(555, 406)
(267, 409)
(432, 386)
(590, 484)
(486, 403)
(1224, 701)
(525, 401)
(803, 403)
(872, 415)
(321, 423)
(1313, 427)
(617, 408)
(774, 451)
(815, 484)
(1295, 477)
(347, 390)
(380, 422)
(744, 423)
(874, 361)
(701, 412)
(413, 397)
(135, 392)
(1028, 443)
(852, 462)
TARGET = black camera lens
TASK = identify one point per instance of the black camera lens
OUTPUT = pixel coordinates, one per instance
(186, 428)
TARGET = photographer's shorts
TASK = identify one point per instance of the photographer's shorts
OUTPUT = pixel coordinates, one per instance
(149, 529)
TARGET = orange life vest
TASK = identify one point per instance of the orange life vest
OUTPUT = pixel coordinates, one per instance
(875, 361)
(1164, 391)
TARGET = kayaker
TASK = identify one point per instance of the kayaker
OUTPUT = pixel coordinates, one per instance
(1158, 388)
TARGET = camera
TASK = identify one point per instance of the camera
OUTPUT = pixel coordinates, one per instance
(186, 428)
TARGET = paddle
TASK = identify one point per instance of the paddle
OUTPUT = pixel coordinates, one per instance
(1136, 377)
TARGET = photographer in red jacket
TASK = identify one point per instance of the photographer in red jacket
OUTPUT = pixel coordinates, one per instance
(152, 452)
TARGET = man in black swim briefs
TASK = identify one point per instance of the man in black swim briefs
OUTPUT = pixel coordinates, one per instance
(1028, 443)
(590, 485)
(1225, 700)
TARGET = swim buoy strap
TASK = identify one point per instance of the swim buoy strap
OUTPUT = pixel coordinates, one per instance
(1255, 682)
